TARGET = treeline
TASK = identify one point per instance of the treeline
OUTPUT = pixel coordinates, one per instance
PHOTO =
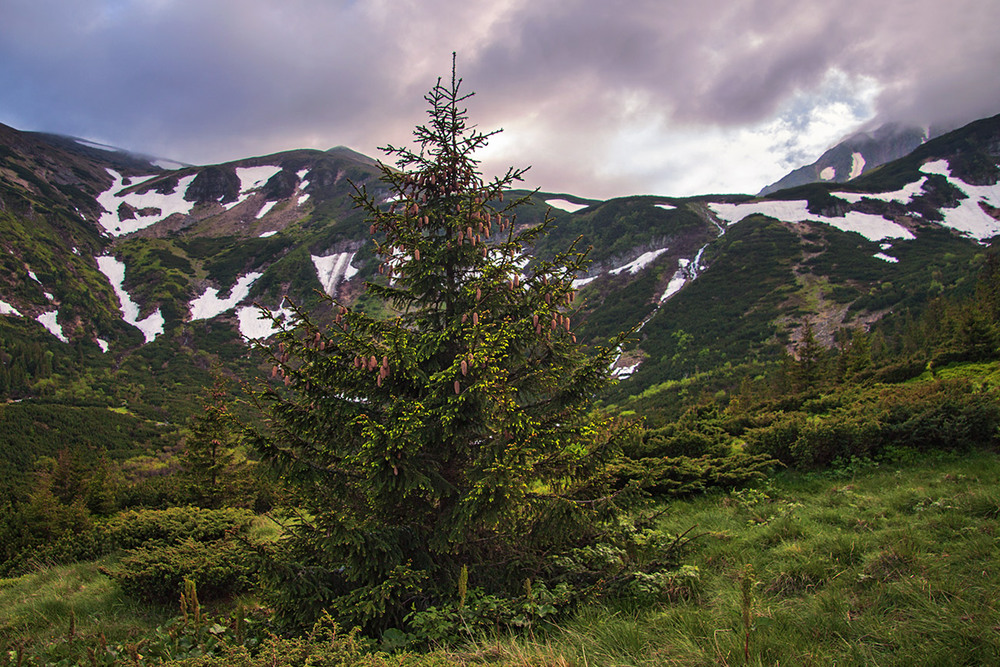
(21, 365)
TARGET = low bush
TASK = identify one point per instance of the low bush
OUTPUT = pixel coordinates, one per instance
(944, 414)
(219, 568)
(132, 529)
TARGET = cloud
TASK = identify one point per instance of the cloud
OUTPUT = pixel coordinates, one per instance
(601, 98)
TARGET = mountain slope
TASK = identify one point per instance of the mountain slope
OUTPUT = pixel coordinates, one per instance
(117, 265)
(853, 156)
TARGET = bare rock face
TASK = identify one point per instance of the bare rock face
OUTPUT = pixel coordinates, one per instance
(853, 156)
(216, 183)
(281, 185)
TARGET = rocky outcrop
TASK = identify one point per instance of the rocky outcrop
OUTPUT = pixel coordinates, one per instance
(215, 183)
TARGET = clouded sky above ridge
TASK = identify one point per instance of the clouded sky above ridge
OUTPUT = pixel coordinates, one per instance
(671, 97)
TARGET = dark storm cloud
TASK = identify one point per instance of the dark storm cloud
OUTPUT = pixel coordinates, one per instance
(210, 80)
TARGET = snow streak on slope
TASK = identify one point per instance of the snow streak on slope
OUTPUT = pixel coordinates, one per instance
(161, 206)
(254, 325)
(50, 321)
(902, 196)
(7, 309)
(265, 208)
(565, 205)
(639, 263)
(208, 305)
(151, 325)
(872, 227)
(334, 269)
(252, 178)
(857, 165)
(969, 217)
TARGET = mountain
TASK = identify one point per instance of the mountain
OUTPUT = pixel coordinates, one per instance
(125, 279)
(854, 156)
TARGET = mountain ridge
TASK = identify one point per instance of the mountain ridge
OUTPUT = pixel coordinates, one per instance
(199, 245)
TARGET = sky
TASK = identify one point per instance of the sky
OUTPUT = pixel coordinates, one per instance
(598, 98)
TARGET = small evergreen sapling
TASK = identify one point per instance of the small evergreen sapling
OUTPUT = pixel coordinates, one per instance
(461, 430)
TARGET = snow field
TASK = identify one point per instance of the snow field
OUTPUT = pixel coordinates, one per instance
(168, 204)
(152, 325)
(638, 264)
(254, 325)
(333, 270)
(7, 309)
(969, 217)
(208, 305)
(252, 178)
(565, 205)
(872, 227)
(903, 196)
(265, 209)
(50, 321)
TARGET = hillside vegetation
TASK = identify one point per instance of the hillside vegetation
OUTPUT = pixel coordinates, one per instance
(424, 458)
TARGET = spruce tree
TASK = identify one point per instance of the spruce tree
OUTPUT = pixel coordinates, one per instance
(210, 449)
(457, 433)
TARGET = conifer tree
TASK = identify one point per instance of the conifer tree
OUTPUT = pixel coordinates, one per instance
(459, 432)
(210, 448)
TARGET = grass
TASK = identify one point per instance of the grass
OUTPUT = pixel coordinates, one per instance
(43, 605)
(894, 564)
(889, 566)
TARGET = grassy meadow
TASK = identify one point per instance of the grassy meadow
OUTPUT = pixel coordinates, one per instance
(894, 563)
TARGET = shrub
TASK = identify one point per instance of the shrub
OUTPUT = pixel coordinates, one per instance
(220, 568)
(135, 528)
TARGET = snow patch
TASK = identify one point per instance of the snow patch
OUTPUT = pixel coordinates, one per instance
(828, 174)
(565, 205)
(50, 321)
(674, 286)
(665, 207)
(7, 309)
(31, 274)
(302, 199)
(939, 167)
(885, 258)
(267, 235)
(152, 325)
(872, 227)
(622, 372)
(208, 305)
(968, 217)
(333, 270)
(252, 178)
(167, 204)
(48, 295)
(580, 282)
(103, 344)
(265, 209)
(857, 165)
(639, 263)
(903, 196)
(255, 324)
